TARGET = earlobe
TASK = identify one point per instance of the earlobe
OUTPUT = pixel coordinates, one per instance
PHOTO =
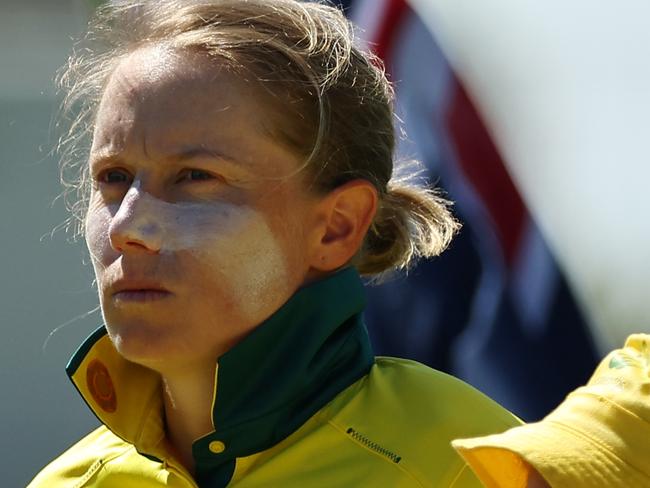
(346, 213)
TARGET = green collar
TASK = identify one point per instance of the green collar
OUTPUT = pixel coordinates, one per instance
(268, 385)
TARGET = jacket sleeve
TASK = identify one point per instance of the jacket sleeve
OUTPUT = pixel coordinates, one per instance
(599, 437)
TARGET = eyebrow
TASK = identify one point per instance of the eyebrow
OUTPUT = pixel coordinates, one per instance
(195, 152)
(186, 154)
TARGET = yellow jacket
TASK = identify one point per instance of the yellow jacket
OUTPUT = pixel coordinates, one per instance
(301, 402)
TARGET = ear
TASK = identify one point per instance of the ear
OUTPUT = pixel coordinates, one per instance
(343, 218)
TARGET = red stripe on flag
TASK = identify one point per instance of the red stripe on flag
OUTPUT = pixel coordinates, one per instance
(481, 162)
(478, 157)
(394, 12)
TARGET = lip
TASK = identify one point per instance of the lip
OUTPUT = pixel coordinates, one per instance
(140, 296)
(132, 291)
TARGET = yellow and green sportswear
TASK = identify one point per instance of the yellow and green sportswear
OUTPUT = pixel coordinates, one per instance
(301, 402)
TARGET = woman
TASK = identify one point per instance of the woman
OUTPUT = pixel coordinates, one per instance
(240, 178)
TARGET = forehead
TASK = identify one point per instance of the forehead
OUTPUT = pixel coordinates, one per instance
(167, 100)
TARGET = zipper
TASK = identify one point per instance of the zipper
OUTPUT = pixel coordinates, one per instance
(373, 446)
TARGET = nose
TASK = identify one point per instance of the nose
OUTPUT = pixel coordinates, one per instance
(136, 226)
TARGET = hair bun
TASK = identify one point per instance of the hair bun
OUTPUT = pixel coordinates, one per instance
(412, 222)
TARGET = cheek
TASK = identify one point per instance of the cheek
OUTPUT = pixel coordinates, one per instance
(249, 262)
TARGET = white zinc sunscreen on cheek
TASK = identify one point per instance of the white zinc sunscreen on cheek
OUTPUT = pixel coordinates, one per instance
(161, 226)
(247, 253)
(230, 241)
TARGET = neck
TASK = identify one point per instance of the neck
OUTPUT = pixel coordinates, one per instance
(188, 397)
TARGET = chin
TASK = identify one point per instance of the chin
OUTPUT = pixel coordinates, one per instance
(143, 343)
(160, 346)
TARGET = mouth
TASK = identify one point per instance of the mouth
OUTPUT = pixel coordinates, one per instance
(140, 296)
(134, 293)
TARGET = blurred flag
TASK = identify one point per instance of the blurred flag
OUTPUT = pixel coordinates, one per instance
(495, 309)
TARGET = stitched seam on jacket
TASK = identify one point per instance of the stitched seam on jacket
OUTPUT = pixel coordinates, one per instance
(97, 465)
(94, 467)
(458, 475)
(377, 454)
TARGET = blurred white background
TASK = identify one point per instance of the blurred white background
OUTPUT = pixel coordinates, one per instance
(565, 88)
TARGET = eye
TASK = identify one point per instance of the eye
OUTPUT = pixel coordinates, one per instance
(115, 176)
(197, 175)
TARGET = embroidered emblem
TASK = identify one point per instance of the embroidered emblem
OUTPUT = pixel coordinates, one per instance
(100, 386)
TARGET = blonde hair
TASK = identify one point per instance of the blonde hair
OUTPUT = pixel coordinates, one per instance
(336, 104)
